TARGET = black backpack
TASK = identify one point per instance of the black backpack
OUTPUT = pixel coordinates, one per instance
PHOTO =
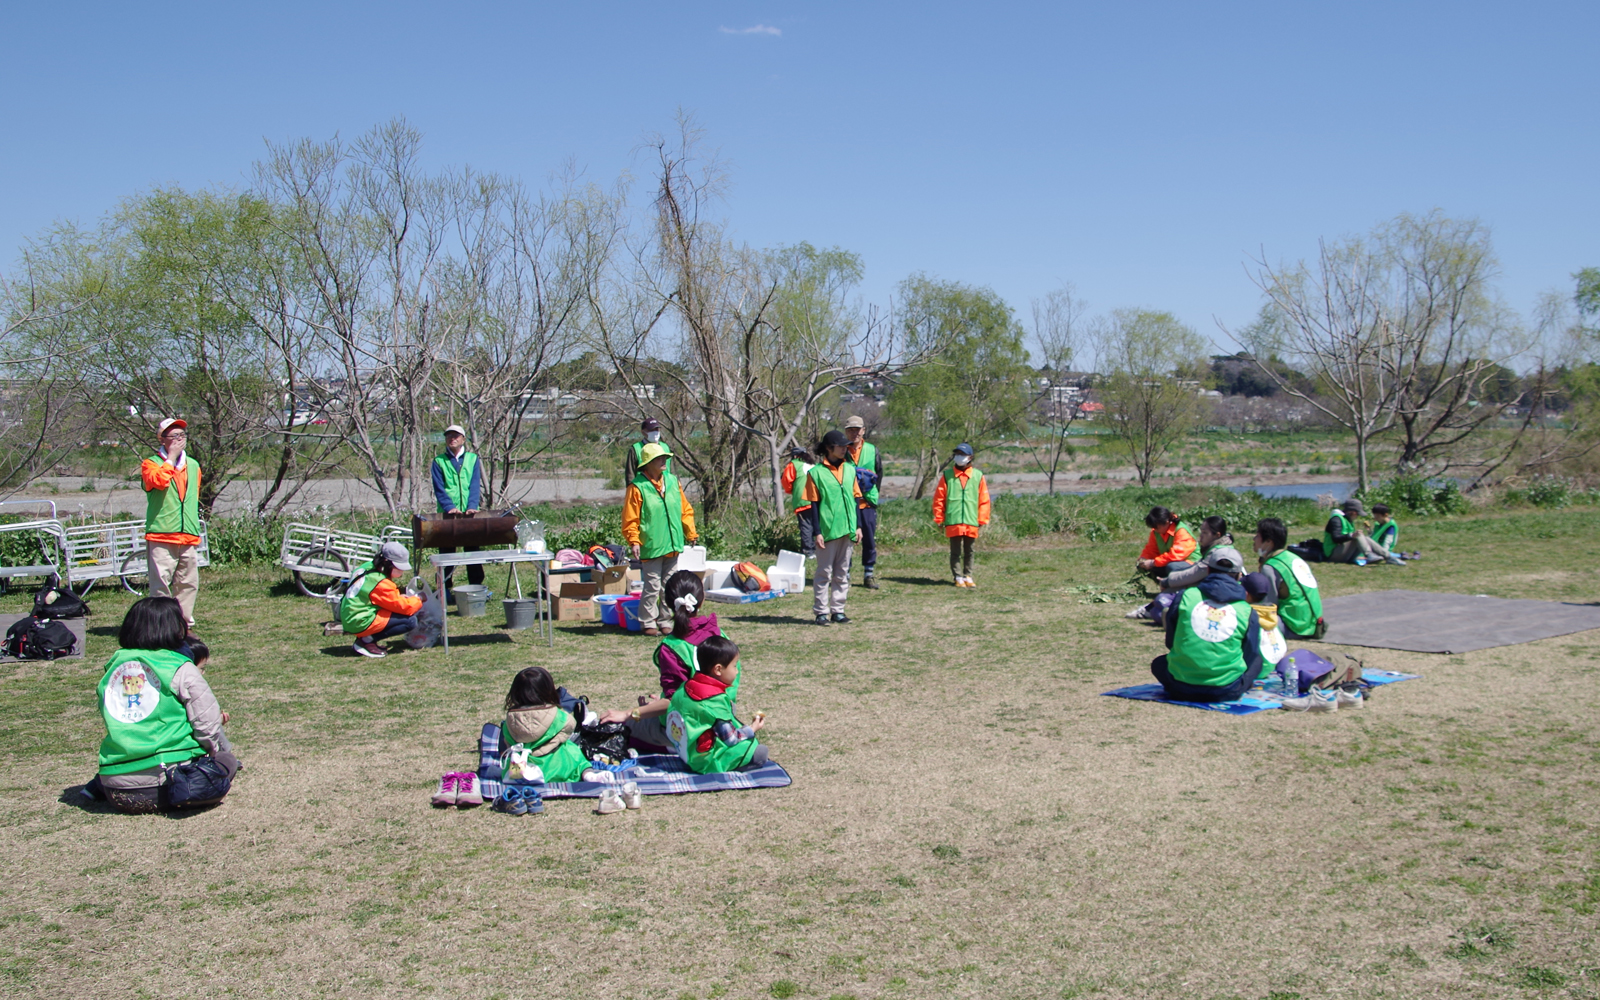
(40, 639)
(56, 601)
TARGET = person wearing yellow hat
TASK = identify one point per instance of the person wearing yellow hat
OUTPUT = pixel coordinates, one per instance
(656, 523)
(171, 481)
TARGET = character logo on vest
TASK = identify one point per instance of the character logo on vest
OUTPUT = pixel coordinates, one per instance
(1302, 572)
(1273, 645)
(133, 693)
(678, 734)
(1213, 623)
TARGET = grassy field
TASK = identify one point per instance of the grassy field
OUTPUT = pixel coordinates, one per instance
(969, 818)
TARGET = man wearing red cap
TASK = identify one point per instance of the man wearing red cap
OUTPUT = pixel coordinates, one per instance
(632, 463)
(172, 517)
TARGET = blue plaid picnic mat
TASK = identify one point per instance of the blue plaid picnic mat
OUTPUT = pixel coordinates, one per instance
(1258, 700)
(657, 774)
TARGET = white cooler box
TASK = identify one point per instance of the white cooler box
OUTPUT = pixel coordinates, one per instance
(717, 573)
(790, 572)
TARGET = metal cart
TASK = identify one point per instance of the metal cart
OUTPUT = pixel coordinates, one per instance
(323, 558)
(99, 551)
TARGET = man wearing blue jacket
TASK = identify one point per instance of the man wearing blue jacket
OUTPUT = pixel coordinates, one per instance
(458, 486)
(1213, 636)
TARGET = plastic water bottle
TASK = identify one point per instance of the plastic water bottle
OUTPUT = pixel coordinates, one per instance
(1291, 678)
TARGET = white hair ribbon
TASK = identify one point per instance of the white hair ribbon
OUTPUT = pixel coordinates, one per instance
(687, 602)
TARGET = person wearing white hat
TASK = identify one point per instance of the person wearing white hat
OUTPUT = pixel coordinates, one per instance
(458, 486)
(373, 608)
(171, 481)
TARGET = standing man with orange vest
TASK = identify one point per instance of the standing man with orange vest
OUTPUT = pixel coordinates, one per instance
(869, 473)
(172, 517)
(961, 507)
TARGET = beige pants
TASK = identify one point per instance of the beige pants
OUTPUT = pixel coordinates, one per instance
(175, 572)
(653, 611)
(831, 585)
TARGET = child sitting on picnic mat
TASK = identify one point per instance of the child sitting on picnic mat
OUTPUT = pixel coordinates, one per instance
(373, 607)
(675, 662)
(1292, 584)
(536, 720)
(1258, 591)
(701, 723)
(1214, 637)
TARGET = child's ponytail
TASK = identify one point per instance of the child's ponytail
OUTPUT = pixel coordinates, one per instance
(685, 594)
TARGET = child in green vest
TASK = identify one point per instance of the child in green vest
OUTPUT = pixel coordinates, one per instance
(793, 481)
(1292, 585)
(833, 519)
(536, 721)
(700, 719)
(961, 507)
(657, 521)
(1385, 530)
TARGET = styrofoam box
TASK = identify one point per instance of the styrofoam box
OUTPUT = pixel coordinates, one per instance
(718, 573)
(692, 558)
(791, 582)
(790, 562)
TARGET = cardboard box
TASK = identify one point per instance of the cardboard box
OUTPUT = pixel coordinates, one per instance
(576, 603)
(612, 580)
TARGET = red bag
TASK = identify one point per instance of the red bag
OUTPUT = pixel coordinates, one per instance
(750, 578)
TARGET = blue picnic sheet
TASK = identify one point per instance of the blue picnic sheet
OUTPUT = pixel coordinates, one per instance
(1259, 699)
(660, 774)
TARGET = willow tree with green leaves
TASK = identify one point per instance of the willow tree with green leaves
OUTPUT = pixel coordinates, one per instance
(973, 387)
(1154, 369)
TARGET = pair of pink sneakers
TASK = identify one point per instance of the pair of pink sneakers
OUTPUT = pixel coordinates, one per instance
(458, 788)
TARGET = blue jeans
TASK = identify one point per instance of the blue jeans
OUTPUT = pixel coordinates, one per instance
(869, 539)
(398, 625)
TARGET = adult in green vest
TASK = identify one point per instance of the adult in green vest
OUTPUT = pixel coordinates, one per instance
(794, 486)
(1293, 585)
(863, 454)
(458, 489)
(171, 481)
(833, 519)
(1213, 638)
(649, 433)
(657, 521)
(700, 719)
(158, 711)
(1342, 542)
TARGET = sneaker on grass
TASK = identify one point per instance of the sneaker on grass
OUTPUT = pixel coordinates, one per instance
(366, 647)
(446, 795)
(467, 791)
(1349, 699)
(1141, 612)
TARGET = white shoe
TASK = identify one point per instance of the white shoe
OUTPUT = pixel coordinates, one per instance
(1395, 560)
(1324, 701)
(1295, 704)
(610, 802)
(1349, 699)
(1136, 614)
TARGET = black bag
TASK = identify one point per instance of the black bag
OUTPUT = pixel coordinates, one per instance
(609, 738)
(56, 601)
(197, 782)
(40, 639)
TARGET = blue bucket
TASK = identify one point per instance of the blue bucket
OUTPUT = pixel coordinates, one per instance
(629, 606)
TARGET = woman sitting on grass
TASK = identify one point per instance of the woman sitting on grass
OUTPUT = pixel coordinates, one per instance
(158, 711)
(675, 661)
(1213, 635)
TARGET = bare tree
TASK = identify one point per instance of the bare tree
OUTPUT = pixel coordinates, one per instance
(1057, 327)
(1152, 387)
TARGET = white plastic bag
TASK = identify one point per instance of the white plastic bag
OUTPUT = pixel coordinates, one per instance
(430, 620)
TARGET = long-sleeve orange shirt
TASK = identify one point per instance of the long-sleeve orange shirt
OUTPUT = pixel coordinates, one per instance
(838, 473)
(961, 530)
(1183, 545)
(163, 475)
(790, 477)
(633, 503)
(388, 599)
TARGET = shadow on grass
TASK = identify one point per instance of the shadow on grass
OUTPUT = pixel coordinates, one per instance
(73, 796)
(920, 581)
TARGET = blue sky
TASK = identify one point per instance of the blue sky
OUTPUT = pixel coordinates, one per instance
(1140, 151)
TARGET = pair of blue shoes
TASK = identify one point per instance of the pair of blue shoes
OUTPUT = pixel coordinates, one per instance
(520, 800)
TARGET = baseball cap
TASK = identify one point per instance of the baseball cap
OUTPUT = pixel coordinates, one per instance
(963, 449)
(650, 424)
(397, 554)
(1352, 506)
(1226, 559)
(855, 422)
(1257, 583)
(834, 439)
(456, 429)
(170, 423)
(653, 451)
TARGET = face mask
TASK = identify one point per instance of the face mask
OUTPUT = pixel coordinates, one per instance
(652, 436)
(963, 461)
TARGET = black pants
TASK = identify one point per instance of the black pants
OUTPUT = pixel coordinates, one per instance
(869, 538)
(808, 537)
(474, 572)
(1199, 692)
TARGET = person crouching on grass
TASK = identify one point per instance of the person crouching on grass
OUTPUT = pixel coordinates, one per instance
(374, 608)
(961, 507)
(700, 719)
(833, 520)
(656, 522)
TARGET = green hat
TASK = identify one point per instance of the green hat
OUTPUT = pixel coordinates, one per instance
(652, 452)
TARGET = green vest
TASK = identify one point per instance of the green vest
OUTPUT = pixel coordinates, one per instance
(797, 498)
(146, 725)
(1328, 544)
(563, 762)
(869, 460)
(356, 610)
(166, 513)
(961, 502)
(1208, 644)
(688, 720)
(1301, 609)
(685, 650)
(660, 517)
(638, 458)
(458, 485)
(1389, 535)
(1164, 545)
(836, 510)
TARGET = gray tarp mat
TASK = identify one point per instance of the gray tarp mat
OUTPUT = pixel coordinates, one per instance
(1424, 622)
(78, 625)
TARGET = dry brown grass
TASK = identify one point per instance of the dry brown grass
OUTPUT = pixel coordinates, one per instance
(969, 817)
